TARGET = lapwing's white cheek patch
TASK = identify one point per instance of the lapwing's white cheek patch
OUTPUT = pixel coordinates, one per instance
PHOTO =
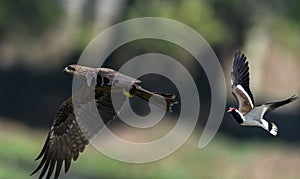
(246, 94)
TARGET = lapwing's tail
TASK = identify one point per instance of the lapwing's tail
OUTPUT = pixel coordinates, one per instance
(162, 100)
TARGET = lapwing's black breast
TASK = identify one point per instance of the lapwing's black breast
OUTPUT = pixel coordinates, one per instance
(237, 117)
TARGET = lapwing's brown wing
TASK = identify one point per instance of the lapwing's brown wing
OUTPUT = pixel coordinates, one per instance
(240, 83)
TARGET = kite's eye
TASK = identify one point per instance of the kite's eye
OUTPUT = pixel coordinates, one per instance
(69, 68)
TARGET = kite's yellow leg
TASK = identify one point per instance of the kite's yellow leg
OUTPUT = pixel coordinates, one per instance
(126, 93)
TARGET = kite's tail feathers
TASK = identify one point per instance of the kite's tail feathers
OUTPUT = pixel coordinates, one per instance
(162, 100)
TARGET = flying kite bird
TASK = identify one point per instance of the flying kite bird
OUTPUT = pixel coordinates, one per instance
(247, 114)
(67, 138)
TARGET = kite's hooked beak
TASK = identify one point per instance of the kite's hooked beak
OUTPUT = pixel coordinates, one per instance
(69, 69)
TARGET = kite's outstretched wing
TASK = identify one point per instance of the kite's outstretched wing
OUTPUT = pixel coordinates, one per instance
(66, 139)
(64, 142)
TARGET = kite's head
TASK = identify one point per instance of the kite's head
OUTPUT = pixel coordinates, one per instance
(71, 69)
(79, 71)
(85, 73)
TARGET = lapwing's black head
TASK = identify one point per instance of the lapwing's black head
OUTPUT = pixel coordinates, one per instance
(236, 114)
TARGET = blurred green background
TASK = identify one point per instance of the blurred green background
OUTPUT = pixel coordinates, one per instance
(39, 38)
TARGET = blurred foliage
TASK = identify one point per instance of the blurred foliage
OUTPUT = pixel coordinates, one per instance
(224, 24)
(194, 13)
(290, 40)
(31, 16)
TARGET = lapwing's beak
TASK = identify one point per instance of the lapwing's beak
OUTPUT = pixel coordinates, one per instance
(230, 110)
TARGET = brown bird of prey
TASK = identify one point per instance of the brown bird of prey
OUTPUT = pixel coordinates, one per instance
(66, 138)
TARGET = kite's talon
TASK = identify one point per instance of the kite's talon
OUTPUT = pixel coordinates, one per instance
(126, 93)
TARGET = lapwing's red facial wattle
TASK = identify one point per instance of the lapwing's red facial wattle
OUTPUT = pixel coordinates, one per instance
(230, 109)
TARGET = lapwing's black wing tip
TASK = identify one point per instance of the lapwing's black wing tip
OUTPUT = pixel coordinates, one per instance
(274, 105)
(293, 98)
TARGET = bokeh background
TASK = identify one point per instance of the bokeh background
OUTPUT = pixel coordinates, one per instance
(39, 38)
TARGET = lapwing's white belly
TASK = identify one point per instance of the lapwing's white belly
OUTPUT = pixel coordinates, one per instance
(251, 123)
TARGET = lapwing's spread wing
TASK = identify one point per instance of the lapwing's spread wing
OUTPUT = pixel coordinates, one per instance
(268, 107)
(67, 138)
(240, 83)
